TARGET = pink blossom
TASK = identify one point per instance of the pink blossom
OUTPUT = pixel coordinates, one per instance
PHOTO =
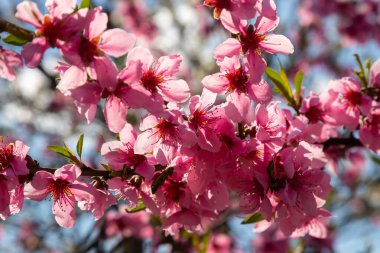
(12, 156)
(120, 153)
(12, 166)
(234, 77)
(8, 61)
(270, 126)
(346, 102)
(61, 24)
(202, 119)
(370, 131)
(64, 189)
(252, 41)
(314, 226)
(375, 74)
(243, 9)
(164, 135)
(151, 83)
(97, 42)
(128, 224)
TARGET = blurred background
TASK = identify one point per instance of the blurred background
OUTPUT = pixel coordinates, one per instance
(326, 35)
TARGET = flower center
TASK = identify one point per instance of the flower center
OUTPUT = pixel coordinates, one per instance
(50, 30)
(314, 114)
(199, 119)
(6, 156)
(88, 49)
(237, 81)
(251, 40)
(167, 131)
(353, 98)
(150, 80)
(173, 190)
(59, 191)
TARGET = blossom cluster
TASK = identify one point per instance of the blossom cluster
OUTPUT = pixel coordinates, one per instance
(190, 154)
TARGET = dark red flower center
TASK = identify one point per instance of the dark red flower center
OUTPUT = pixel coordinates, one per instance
(250, 41)
(173, 190)
(50, 30)
(167, 131)
(59, 190)
(6, 156)
(238, 80)
(88, 49)
(199, 119)
(150, 80)
(314, 114)
(353, 98)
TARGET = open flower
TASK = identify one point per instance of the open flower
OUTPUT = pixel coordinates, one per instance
(64, 190)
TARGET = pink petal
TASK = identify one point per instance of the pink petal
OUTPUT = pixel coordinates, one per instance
(90, 93)
(128, 134)
(115, 114)
(117, 42)
(375, 74)
(141, 54)
(131, 73)
(265, 25)
(64, 212)
(148, 122)
(59, 8)
(27, 11)
(232, 23)
(208, 140)
(207, 97)
(168, 66)
(187, 218)
(4, 196)
(217, 83)
(137, 96)
(34, 51)
(237, 107)
(69, 172)
(72, 78)
(145, 142)
(96, 23)
(245, 10)
(257, 66)
(274, 43)
(260, 93)
(146, 170)
(267, 8)
(229, 48)
(87, 110)
(106, 73)
(175, 91)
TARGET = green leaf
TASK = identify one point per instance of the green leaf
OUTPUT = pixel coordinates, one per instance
(85, 4)
(285, 80)
(253, 218)
(279, 83)
(14, 40)
(138, 208)
(298, 85)
(106, 167)
(60, 150)
(160, 180)
(205, 240)
(80, 145)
